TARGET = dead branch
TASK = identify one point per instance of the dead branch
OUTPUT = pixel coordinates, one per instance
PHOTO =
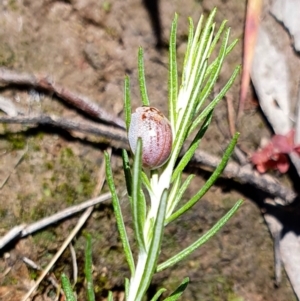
(105, 131)
(246, 174)
(84, 104)
(117, 138)
(24, 230)
(80, 223)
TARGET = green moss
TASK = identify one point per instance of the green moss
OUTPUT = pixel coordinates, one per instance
(101, 283)
(45, 237)
(3, 213)
(65, 155)
(7, 55)
(87, 182)
(38, 212)
(67, 193)
(36, 147)
(234, 297)
(33, 274)
(9, 280)
(17, 141)
(13, 5)
(228, 202)
(49, 165)
(106, 6)
(222, 288)
(46, 190)
(71, 179)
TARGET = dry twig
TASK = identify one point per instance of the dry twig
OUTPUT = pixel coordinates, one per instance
(8, 77)
(90, 127)
(24, 230)
(78, 226)
(117, 138)
(246, 174)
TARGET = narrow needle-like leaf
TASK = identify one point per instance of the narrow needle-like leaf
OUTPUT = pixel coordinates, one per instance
(179, 290)
(178, 196)
(110, 296)
(118, 215)
(184, 253)
(138, 205)
(127, 172)
(126, 288)
(173, 81)
(217, 37)
(192, 148)
(215, 101)
(158, 294)
(215, 72)
(67, 288)
(142, 80)
(154, 249)
(88, 269)
(208, 183)
(127, 102)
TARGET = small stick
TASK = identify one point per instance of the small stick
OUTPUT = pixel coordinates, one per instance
(231, 115)
(10, 173)
(35, 266)
(102, 130)
(68, 240)
(11, 235)
(246, 174)
(74, 263)
(80, 223)
(24, 230)
(63, 214)
(80, 102)
(118, 138)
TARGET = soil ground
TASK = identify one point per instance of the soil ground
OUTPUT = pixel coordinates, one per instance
(88, 46)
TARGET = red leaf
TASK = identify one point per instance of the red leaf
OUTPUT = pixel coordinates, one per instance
(283, 163)
(262, 155)
(284, 143)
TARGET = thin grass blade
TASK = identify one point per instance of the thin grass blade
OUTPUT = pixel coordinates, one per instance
(172, 195)
(201, 42)
(146, 182)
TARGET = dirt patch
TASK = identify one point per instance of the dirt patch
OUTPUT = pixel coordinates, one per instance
(88, 46)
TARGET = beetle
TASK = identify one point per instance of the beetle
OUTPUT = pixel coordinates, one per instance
(155, 130)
